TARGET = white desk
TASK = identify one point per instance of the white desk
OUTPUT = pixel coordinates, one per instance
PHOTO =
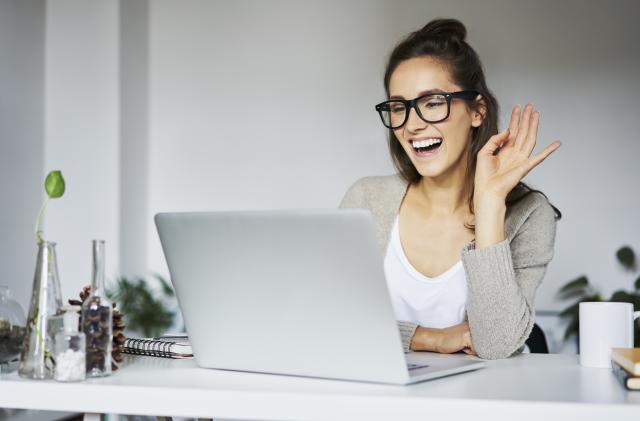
(526, 387)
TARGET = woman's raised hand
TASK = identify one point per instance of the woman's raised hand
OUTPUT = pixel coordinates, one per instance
(506, 158)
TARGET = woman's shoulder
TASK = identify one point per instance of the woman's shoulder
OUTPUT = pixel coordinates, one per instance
(524, 197)
(526, 205)
(379, 182)
(374, 189)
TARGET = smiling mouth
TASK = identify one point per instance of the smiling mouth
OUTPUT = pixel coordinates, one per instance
(426, 145)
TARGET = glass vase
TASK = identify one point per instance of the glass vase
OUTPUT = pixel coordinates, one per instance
(97, 316)
(36, 360)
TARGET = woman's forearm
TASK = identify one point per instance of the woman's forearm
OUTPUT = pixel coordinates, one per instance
(425, 339)
(446, 340)
(489, 227)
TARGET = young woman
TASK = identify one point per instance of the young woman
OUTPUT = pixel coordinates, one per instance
(466, 243)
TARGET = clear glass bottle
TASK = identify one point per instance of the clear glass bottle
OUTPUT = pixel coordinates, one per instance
(70, 348)
(97, 316)
(12, 329)
(36, 360)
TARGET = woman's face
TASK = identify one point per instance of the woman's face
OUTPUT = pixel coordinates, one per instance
(413, 78)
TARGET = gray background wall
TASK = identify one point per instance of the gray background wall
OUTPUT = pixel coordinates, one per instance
(22, 46)
(203, 105)
(250, 103)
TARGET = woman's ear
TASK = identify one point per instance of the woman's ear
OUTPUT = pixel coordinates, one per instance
(479, 112)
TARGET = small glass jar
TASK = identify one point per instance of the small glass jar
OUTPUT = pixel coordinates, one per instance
(70, 356)
(12, 330)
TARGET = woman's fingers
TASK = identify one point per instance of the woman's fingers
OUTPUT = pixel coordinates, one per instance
(470, 345)
(507, 158)
(513, 123)
(530, 141)
(536, 160)
(495, 142)
(523, 126)
(469, 349)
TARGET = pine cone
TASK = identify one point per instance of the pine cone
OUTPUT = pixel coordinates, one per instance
(117, 347)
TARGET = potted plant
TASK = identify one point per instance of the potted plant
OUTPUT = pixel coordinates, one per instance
(581, 290)
(146, 311)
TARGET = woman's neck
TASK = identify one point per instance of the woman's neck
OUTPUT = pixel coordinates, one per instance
(445, 194)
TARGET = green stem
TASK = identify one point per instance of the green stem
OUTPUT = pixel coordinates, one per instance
(39, 238)
(39, 332)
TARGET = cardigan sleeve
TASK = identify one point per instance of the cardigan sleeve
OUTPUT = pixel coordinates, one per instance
(356, 198)
(502, 281)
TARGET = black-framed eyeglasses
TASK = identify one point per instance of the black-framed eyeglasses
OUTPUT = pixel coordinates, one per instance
(432, 108)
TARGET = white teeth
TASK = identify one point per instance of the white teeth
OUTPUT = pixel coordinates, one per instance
(426, 142)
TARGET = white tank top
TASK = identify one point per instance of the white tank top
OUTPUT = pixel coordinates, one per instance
(431, 302)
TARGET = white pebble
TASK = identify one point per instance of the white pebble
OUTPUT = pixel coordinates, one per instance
(70, 366)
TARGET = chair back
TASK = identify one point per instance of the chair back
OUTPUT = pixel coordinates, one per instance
(537, 342)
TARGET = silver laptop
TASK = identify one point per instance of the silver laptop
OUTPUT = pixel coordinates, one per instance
(291, 292)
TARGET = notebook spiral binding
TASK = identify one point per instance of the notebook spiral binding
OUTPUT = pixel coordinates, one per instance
(149, 347)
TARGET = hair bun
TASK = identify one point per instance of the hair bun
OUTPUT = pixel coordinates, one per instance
(447, 29)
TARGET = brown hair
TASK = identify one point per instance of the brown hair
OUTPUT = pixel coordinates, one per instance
(444, 40)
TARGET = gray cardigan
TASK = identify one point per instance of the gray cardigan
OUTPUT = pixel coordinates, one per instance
(502, 279)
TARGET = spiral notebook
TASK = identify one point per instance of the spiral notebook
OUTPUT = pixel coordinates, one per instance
(170, 346)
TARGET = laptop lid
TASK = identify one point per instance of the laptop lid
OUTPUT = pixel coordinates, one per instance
(289, 292)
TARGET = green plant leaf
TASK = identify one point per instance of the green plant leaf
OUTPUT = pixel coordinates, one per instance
(572, 329)
(142, 310)
(166, 286)
(54, 184)
(629, 297)
(579, 283)
(572, 295)
(621, 296)
(575, 289)
(627, 257)
(637, 284)
(597, 297)
(571, 311)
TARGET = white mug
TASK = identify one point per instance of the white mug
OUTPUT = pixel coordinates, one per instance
(604, 326)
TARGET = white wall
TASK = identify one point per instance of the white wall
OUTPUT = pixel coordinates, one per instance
(82, 134)
(21, 140)
(270, 105)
